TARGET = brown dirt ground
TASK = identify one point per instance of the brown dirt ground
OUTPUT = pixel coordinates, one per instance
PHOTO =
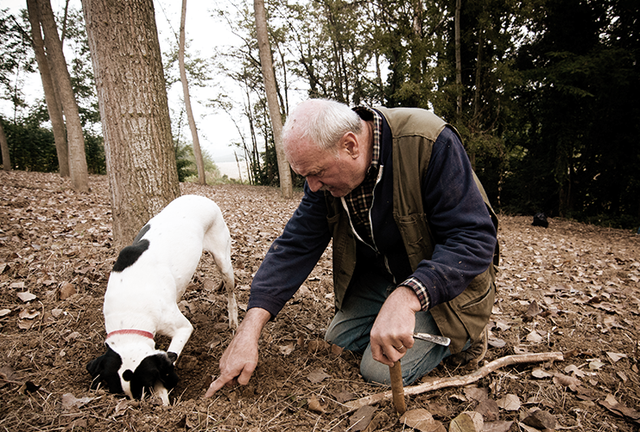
(571, 288)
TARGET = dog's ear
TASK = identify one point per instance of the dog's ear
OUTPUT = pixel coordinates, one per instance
(127, 375)
(172, 357)
(167, 371)
(164, 370)
(152, 369)
(105, 368)
(94, 367)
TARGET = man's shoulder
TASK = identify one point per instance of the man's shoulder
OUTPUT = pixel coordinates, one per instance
(412, 122)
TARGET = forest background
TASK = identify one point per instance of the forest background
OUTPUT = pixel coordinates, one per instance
(543, 92)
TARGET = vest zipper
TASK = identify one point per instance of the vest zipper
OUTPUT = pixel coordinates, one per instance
(353, 229)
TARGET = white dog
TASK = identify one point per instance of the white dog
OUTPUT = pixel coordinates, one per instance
(147, 280)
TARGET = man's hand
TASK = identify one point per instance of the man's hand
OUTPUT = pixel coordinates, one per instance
(392, 332)
(241, 356)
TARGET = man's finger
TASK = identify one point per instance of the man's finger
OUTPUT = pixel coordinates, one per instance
(215, 386)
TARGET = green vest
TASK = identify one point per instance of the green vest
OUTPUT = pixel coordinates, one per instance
(414, 132)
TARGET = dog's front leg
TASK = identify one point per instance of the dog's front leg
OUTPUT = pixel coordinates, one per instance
(181, 333)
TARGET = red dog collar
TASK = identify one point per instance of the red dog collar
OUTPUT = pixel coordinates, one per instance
(131, 331)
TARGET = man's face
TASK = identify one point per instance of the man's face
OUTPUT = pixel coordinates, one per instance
(336, 172)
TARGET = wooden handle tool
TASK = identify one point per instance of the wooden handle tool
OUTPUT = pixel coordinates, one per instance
(397, 390)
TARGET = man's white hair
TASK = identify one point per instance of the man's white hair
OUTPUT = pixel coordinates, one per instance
(322, 121)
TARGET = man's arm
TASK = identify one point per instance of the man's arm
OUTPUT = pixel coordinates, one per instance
(241, 356)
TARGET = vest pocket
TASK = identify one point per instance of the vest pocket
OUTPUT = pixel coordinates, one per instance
(417, 237)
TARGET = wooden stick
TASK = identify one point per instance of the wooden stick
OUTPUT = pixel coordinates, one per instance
(395, 372)
(457, 381)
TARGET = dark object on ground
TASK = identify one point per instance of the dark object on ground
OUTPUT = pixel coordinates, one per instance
(540, 219)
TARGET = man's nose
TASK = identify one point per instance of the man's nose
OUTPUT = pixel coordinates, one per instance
(314, 183)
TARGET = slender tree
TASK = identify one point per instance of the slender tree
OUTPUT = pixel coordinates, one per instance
(50, 92)
(4, 147)
(75, 138)
(286, 186)
(141, 163)
(187, 98)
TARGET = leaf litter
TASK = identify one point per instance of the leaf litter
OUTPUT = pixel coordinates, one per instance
(572, 288)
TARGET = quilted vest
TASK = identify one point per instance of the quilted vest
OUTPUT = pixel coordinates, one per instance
(414, 132)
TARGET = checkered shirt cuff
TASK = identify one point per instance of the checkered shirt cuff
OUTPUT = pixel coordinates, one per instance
(420, 291)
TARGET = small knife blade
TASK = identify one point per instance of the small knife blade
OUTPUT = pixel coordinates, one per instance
(440, 340)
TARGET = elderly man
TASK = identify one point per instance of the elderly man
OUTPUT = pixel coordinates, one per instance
(414, 240)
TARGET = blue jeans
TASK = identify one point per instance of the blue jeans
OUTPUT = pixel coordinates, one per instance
(352, 324)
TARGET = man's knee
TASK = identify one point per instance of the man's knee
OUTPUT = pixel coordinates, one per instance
(418, 362)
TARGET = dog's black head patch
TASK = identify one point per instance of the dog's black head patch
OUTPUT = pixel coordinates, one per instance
(130, 255)
(105, 369)
(152, 369)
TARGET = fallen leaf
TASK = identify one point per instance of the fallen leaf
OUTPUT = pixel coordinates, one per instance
(533, 310)
(541, 373)
(540, 419)
(67, 290)
(566, 381)
(616, 407)
(489, 409)
(317, 376)
(8, 375)
(121, 407)
(595, 364)
(496, 342)
(575, 370)
(469, 421)
(510, 402)
(26, 296)
(70, 401)
(343, 396)
(616, 356)
(534, 337)
(361, 418)
(4, 312)
(476, 393)
(317, 345)
(28, 314)
(25, 325)
(336, 350)
(314, 404)
(422, 420)
(287, 349)
(497, 426)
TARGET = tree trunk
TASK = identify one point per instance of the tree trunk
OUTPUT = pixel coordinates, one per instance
(50, 92)
(141, 164)
(458, 49)
(286, 186)
(4, 146)
(62, 79)
(187, 99)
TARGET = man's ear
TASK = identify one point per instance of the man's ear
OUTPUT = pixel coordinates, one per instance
(349, 143)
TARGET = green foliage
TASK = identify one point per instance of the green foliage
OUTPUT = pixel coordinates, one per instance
(184, 161)
(94, 152)
(32, 147)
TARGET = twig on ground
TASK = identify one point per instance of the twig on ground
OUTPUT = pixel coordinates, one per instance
(458, 381)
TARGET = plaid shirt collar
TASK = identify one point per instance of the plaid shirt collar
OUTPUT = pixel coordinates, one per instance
(368, 114)
(360, 200)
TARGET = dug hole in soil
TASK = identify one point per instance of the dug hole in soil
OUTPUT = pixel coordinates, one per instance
(570, 288)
